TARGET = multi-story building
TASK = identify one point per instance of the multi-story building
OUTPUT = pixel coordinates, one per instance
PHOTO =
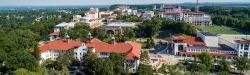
(53, 49)
(93, 13)
(171, 12)
(126, 10)
(105, 14)
(197, 18)
(56, 48)
(189, 46)
(238, 42)
(118, 27)
(177, 14)
(77, 18)
(55, 35)
(147, 15)
(92, 18)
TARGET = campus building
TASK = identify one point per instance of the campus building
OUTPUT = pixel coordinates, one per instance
(189, 46)
(118, 27)
(240, 43)
(53, 49)
(178, 14)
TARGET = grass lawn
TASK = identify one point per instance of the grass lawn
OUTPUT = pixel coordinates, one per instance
(219, 29)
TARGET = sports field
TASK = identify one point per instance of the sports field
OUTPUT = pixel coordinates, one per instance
(219, 29)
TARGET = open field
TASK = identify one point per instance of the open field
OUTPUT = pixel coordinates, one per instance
(219, 29)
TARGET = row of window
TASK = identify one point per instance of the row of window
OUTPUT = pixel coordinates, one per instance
(217, 51)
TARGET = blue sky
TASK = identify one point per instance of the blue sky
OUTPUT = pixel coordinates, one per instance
(99, 2)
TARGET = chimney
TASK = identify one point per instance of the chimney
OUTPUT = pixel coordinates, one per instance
(113, 40)
(89, 37)
(66, 37)
(197, 6)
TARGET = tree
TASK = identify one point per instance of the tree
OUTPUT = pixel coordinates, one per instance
(21, 71)
(150, 43)
(224, 65)
(99, 33)
(224, 73)
(63, 33)
(91, 62)
(144, 57)
(21, 59)
(129, 33)
(206, 59)
(145, 70)
(3, 57)
(199, 68)
(242, 63)
(118, 60)
(65, 60)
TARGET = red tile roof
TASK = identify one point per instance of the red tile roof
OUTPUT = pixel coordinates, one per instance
(132, 49)
(190, 40)
(62, 44)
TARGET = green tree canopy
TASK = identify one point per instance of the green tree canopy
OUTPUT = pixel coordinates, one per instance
(21, 59)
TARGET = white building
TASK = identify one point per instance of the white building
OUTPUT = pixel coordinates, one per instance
(171, 12)
(238, 42)
(197, 18)
(93, 13)
(53, 49)
(189, 46)
(105, 14)
(64, 25)
(77, 18)
(177, 14)
(147, 14)
(210, 39)
(118, 27)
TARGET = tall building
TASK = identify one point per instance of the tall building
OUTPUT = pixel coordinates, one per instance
(178, 14)
(197, 18)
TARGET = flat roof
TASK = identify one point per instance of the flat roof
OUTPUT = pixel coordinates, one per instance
(121, 24)
(208, 33)
(63, 24)
(243, 41)
(234, 39)
(190, 40)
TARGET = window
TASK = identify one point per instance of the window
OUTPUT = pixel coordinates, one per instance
(245, 54)
(104, 53)
(241, 46)
(246, 46)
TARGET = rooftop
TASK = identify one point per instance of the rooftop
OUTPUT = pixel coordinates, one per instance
(61, 44)
(243, 41)
(190, 40)
(64, 24)
(208, 33)
(234, 39)
(132, 49)
(122, 24)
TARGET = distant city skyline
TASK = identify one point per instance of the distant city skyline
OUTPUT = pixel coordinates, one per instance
(98, 2)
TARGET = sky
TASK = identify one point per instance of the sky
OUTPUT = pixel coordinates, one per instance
(99, 2)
